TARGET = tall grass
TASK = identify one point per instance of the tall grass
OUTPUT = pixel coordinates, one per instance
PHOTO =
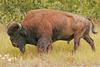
(60, 56)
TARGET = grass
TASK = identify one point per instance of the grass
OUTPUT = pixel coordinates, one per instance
(60, 56)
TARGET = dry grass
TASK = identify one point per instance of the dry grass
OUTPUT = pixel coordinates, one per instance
(60, 56)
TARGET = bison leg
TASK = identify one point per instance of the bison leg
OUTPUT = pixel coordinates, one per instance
(70, 38)
(77, 37)
(22, 48)
(90, 41)
(68, 42)
(44, 44)
(76, 43)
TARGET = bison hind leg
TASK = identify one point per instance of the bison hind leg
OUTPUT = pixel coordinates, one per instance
(88, 39)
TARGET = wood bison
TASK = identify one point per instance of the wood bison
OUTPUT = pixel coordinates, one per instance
(42, 27)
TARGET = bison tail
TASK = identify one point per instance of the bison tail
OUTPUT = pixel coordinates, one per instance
(93, 27)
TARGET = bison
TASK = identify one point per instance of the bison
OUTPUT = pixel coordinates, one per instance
(42, 27)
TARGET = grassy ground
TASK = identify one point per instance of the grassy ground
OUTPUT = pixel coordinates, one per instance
(60, 56)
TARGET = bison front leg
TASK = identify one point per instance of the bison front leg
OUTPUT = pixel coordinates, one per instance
(44, 44)
(22, 50)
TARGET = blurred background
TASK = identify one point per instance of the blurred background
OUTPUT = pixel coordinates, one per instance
(16, 9)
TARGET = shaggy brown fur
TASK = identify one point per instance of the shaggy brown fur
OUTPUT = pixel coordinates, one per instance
(47, 26)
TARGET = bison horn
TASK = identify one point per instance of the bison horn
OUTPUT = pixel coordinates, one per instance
(14, 25)
(19, 25)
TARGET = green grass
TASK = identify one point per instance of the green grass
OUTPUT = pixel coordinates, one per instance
(60, 56)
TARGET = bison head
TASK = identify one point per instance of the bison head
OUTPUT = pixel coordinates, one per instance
(17, 35)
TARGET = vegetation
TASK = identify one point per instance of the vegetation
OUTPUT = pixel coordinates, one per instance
(15, 10)
(60, 56)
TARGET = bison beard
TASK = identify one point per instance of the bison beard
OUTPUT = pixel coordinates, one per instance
(42, 27)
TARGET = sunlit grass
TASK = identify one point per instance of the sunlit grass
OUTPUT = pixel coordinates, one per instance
(60, 56)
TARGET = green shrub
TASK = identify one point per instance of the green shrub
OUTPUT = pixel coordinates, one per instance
(15, 10)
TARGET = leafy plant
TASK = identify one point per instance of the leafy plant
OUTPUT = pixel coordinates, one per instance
(15, 10)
